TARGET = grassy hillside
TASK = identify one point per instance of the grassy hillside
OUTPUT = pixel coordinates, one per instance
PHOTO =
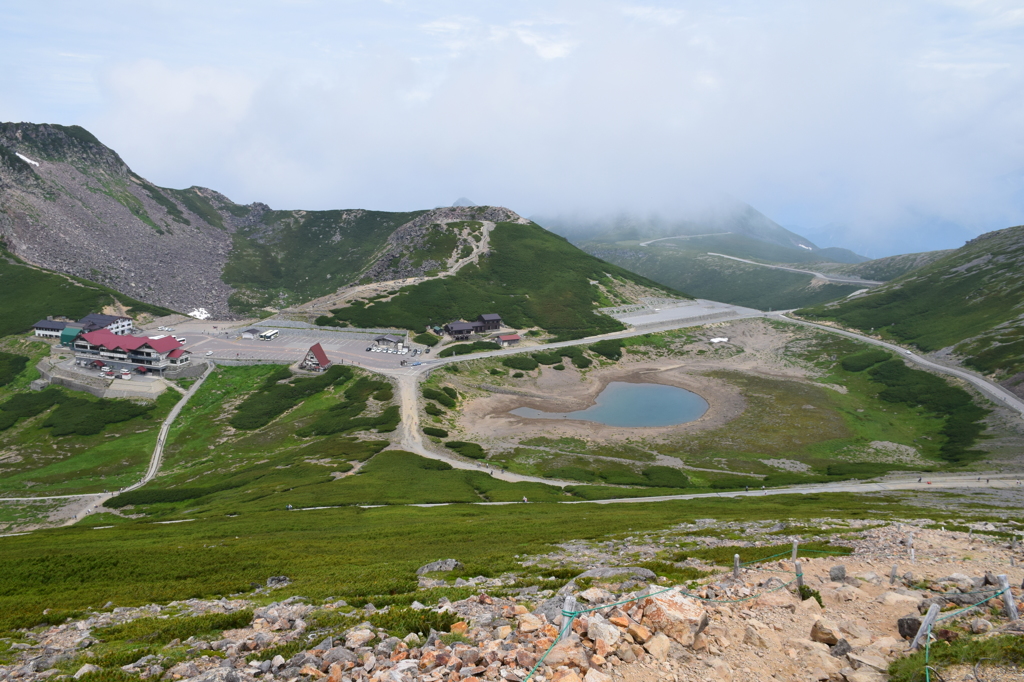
(30, 294)
(884, 269)
(685, 265)
(531, 278)
(298, 255)
(971, 298)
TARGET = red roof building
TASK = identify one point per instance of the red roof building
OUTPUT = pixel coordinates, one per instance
(316, 359)
(122, 351)
(508, 340)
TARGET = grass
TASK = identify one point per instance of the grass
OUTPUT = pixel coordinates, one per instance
(1000, 650)
(349, 552)
(532, 278)
(287, 270)
(30, 294)
(968, 293)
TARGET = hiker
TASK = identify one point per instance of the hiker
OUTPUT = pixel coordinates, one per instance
(524, 499)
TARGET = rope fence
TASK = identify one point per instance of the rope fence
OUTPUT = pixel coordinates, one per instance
(569, 614)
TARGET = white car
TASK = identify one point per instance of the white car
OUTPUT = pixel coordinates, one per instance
(209, 352)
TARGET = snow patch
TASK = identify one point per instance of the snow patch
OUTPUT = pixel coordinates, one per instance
(802, 246)
(720, 339)
(26, 159)
(200, 314)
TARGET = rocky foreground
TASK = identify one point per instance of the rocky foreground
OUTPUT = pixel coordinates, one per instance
(752, 628)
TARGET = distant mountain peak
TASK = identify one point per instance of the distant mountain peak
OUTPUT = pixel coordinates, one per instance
(462, 202)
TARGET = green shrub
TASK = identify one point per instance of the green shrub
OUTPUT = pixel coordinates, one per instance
(274, 399)
(806, 593)
(11, 366)
(452, 393)
(437, 433)
(666, 477)
(156, 631)
(560, 367)
(467, 348)
(466, 449)
(496, 372)
(24, 405)
(521, 362)
(426, 339)
(609, 348)
(433, 410)
(859, 362)
(440, 396)
(344, 418)
(547, 358)
(518, 375)
(89, 417)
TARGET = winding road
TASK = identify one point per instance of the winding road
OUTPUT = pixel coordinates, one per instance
(836, 279)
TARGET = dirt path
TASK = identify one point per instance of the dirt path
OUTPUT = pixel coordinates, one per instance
(90, 502)
(453, 265)
(836, 279)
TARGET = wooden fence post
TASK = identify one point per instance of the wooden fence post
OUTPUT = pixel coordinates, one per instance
(799, 575)
(892, 574)
(796, 544)
(736, 566)
(926, 626)
(912, 555)
(1011, 605)
(568, 605)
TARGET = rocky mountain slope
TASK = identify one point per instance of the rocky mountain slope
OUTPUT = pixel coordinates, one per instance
(967, 304)
(70, 204)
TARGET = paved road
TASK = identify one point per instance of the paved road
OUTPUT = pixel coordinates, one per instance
(990, 390)
(838, 279)
(683, 236)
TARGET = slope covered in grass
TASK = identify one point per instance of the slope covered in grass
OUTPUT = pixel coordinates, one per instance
(973, 297)
(531, 278)
(30, 294)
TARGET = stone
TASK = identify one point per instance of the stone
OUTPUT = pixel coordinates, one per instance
(854, 629)
(840, 648)
(837, 574)
(595, 595)
(311, 671)
(502, 631)
(595, 675)
(894, 598)
(599, 629)
(762, 639)
(980, 626)
(184, 669)
(638, 632)
(527, 623)
(868, 659)
(825, 631)
(623, 572)
(357, 638)
(811, 604)
(678, 616)
(658, 646)
(720, 670)
(462, 627)
(566, 652)
(277, 662)
(86, 669)
(567, 676)
(908, 626)
(439, 566)
(850, 593)
(339, 654)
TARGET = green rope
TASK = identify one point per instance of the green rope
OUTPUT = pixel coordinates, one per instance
(951, 614)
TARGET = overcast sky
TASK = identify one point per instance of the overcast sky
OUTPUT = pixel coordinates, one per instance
(889, 118)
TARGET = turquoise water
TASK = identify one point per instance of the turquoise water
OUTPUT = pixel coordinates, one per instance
(624, 404)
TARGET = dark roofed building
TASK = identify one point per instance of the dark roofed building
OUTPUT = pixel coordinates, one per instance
(459, 329)
(488, 322)
(49, 328)
(118, 324)
(388, 340)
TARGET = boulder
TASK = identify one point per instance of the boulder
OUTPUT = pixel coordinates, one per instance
(437, 566)
(598, 628)
(811, 604)
(760, 638)
(837, 574)
(357, 638)
(869, 660)
(567, 652)
(658, 646)
(893, 598)
(840, 649)
(862, 675)
(595, 595)
(908, 626)
(86, 669)
(720, 670)
(825, 631)
(528, 623)
(980, 626)
(678, 616)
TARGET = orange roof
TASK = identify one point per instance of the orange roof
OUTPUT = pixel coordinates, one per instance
(509, 337)
(111, 341)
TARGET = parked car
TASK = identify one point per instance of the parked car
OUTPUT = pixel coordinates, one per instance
(369, 348)
(209, 352)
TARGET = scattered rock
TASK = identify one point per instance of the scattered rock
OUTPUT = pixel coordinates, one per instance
(86, 669)
(825, 631)
(837, 574)
(678, 616)
(442, 565)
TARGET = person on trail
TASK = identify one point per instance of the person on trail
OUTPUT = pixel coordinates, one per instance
(746, 488)
(524, 499)
(919, 479)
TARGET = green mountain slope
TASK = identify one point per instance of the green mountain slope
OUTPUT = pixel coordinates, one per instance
(885, 269)
(531, 277)
(31, 294)
(719, 279)
(971, 299)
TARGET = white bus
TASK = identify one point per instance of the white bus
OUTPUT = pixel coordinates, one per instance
(269, 335)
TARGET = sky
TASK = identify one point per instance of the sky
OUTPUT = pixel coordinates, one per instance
(892, 126)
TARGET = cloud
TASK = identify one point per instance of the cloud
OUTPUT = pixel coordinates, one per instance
(888, 118)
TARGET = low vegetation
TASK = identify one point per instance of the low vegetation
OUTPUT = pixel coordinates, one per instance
(11, 366)
(532, 278)
(274, 398)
